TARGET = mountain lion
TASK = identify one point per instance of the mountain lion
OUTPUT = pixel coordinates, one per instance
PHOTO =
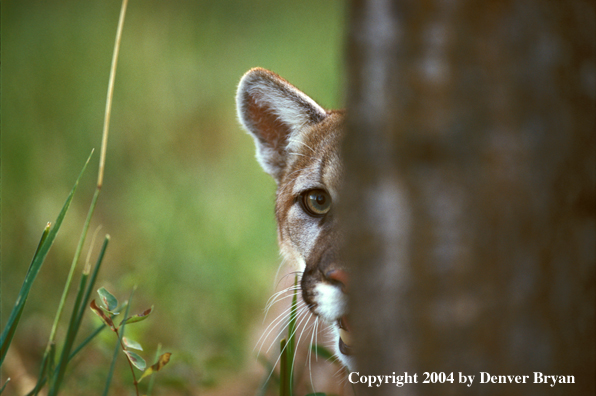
(298, 144)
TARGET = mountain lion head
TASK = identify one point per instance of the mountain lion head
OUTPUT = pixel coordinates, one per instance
(298, 144)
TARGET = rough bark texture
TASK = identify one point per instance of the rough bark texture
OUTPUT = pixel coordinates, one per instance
(470, 192)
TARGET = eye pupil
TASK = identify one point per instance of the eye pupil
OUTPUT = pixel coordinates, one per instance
(320, 199)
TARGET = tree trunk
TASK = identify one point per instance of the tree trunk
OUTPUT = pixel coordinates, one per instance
(470, 195)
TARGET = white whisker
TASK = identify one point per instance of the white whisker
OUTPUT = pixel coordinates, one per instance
(273, 299)
(282, 262)
(273, 324)
(280, 300)
(300, 313)
(302, 332)
(290, 288)
(316, 332)
(276, 301)
(304, 310)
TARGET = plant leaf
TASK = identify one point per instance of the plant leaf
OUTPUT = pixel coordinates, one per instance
(161, 362)
(99, 312)
(139, 317)
(136, 360)
(117, 347)
(109, 301)
(131, 344)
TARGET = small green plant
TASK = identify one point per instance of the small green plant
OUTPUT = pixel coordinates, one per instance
(107, 311)
(53, 367)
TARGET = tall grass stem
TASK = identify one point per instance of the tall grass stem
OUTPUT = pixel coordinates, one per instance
(108, 113)
(104, 142)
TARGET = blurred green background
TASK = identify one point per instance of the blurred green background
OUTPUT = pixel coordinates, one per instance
(189, 210)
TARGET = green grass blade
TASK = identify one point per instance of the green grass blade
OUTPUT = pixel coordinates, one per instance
(112, 366)
(86, 341)
(4, 386)
(288, 351)
(51, 360)
(42, 376)
(11, 325)
(44, 236)
(73, 266)
(83, 344)
(47, 367)
(291, 349)
(44, 362)
(284, 375)
(71, 333)
(91, 285)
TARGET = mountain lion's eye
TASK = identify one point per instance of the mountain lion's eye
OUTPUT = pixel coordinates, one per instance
(316, 202)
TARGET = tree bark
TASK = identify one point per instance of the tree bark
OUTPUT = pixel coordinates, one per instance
(469, 196)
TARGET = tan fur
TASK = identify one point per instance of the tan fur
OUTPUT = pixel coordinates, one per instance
(298, 143)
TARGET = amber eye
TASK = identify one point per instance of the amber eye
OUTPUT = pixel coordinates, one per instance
(316, 202)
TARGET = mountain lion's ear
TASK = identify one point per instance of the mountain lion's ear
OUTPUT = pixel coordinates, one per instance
(274, 111)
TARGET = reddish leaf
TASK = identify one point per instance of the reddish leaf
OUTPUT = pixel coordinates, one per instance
(162, 361)
(99, 312)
